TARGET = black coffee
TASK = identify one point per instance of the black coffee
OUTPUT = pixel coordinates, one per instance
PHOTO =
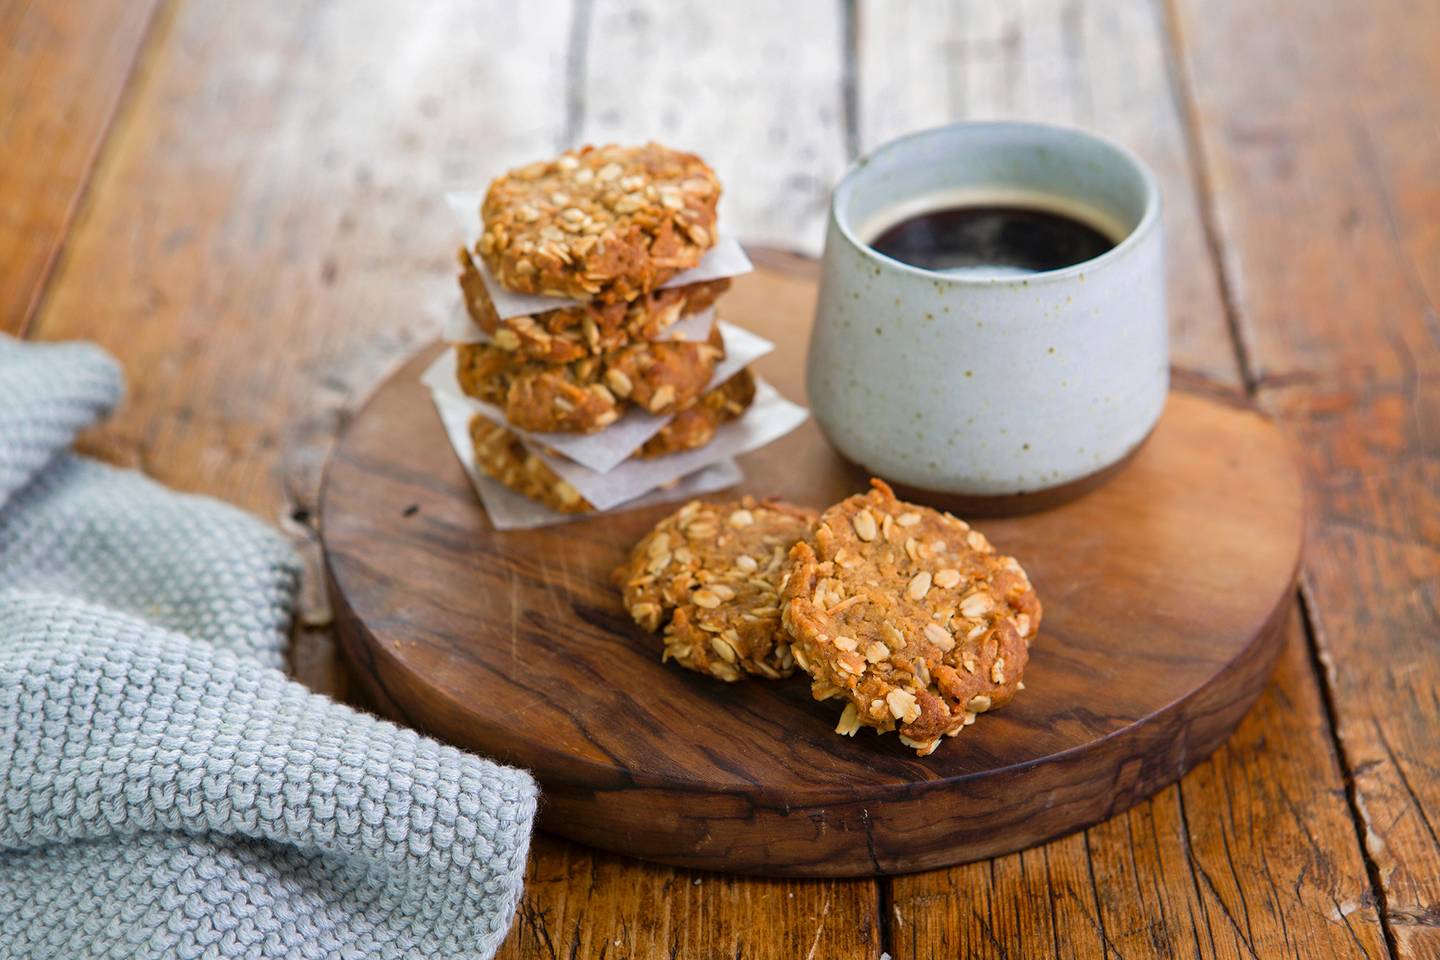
(992, 240)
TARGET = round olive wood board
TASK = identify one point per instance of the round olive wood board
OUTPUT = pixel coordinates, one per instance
(1165, 591)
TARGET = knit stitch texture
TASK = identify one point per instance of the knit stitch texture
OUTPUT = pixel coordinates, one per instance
(165, 790)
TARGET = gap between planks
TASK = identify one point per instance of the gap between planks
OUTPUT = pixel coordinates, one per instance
(1181, 84)
(79, 197)
(1183, 95)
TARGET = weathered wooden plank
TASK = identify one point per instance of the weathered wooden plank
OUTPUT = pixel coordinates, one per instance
(63, 67)
(1273, 847)
(1197, 869)
(1320, 145)
(1039, 902)
(584, 903)
(1097, 65)
(753, 87)
(263, 240)
(264, 237)
(1253, 855)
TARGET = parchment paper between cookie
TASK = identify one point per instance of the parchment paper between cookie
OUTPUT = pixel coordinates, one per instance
(460, 328)
(509, 510)
(769, 418)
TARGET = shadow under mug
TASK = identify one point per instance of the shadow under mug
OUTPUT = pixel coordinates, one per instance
(991, 393)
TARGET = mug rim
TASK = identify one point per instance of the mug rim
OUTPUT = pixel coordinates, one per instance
(1148, 220)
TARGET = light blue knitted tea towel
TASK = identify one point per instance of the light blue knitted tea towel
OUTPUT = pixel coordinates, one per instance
(165, 790)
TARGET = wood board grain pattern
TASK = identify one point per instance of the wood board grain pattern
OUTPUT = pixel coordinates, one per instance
(478, 637)
(1320, 148)
(63, 68)
(754, 87)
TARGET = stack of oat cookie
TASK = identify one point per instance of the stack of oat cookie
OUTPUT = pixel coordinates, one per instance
(590, 350)
(906, 615)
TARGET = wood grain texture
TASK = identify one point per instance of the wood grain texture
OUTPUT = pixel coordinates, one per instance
(1095, 64)
(1270, 850)
(1320, 145)
(63, 67)
(1245, 858)
(754, 87)
(1162, 616)
(586, 903)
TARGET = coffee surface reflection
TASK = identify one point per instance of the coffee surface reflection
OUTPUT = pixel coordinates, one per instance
(992, 240)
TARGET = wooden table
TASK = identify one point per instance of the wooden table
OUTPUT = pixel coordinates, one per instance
(242, 202)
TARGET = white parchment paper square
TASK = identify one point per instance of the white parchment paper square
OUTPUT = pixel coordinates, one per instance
(509, 510)
(769, 418)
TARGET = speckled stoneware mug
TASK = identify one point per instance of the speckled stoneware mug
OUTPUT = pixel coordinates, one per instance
(1000, 392)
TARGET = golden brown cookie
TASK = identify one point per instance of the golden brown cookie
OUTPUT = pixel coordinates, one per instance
(664, 376)
(909, 615)
(695, 426)
(591, 393)
(534, 396)
(568, 334)
(500, 454)
(599, 223)
(710, 575)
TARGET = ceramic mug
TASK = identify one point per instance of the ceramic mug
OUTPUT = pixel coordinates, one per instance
(1004, 390)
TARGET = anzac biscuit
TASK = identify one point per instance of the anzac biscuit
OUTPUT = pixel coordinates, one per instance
(695, 426)
(909, 615)
(537, 397)
(500, 454)
(599, 223)
(570, 333)
(591, 393)
(665, 376)
(710, 575)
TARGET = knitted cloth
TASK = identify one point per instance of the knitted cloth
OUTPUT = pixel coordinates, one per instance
(164, 789)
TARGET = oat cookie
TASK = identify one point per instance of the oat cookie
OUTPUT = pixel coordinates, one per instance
(564, 335)
(695, 426)
(599, 223)
(710, 575)
(500, 454)
(665, 376)
(909, 615)
(534, 396)
(591, 393)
